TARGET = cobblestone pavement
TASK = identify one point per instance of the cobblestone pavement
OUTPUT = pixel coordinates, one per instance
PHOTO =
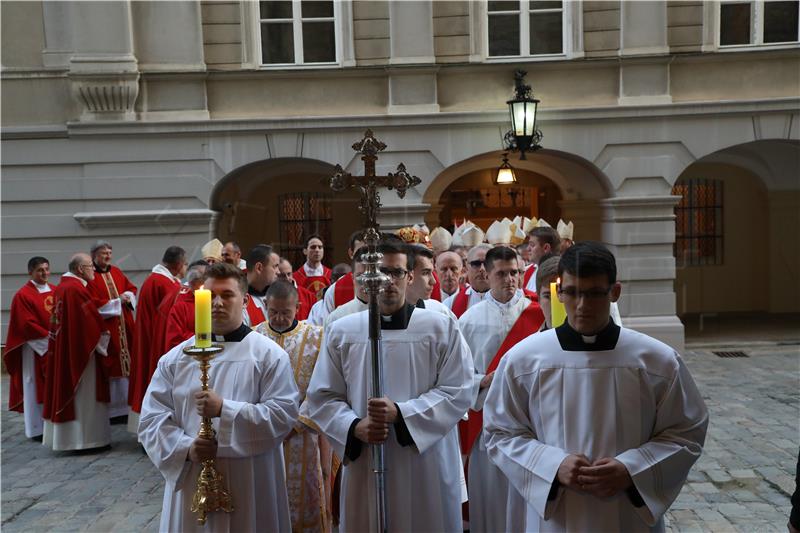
(741, 483)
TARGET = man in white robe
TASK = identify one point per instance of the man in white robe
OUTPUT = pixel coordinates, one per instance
(485, 326)
(477, 287)
(427, 390)
(450, 269)
(596, 426)
(253, 403)
(419, 290)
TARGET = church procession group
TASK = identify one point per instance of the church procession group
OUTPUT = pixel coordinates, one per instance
(514, 399)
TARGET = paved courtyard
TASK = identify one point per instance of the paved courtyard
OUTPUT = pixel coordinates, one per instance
(742, 482)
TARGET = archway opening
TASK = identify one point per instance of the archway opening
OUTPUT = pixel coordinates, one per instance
(280, 202)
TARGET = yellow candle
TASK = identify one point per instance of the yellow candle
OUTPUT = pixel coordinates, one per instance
(202, 318)
(557, 312)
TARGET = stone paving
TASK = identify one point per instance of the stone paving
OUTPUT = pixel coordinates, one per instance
(741, 483)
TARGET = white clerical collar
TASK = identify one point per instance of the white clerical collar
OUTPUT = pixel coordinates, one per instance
(446, 295)
(591, 339)
(514, 299)
(164, 271)
(318, 271)
(71, 275)
(41, 288)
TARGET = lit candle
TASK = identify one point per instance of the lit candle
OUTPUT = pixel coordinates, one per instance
(202, 318)
(557, 312)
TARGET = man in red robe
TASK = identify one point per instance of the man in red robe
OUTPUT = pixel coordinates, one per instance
(115, 295)
(180, 322)
(76, 379)
(26, 343)
(313, 275)
(262, 271)
(163, 282)
(306, 298)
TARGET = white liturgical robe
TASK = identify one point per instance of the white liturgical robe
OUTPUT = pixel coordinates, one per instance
(428, 374)
(628, 397)
(474, 298)
(485, 326)
(259, 409)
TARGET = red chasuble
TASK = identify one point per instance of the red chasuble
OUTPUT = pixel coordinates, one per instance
(461, 301)
(150, 333)
(316, 284)
(180, 322)
(307, 300)
(74, 333)
(343, 290)
(527, 324)
(530, 273)
(436, 293)
(29, 320)
(255, 313)
(104, 287)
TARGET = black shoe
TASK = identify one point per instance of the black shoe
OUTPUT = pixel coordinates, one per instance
(116, 420)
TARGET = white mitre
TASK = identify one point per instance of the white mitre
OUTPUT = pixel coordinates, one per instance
(458, 231)
(441, 240)
(517, 235)
(543, 224)
(499, 232)
(528, 224)
(213, 249)
(565, 231)
(472, 236)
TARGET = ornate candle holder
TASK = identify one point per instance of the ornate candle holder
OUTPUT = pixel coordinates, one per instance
(210, 495)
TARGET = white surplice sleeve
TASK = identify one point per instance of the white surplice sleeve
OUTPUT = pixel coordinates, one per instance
(659, 467)
(165, 442)
(432, 415)
(247, 429)
(326, 397)
(111, 308)
(511, 441)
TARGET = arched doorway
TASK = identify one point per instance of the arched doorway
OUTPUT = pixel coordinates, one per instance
(281, 201)
(736, 231)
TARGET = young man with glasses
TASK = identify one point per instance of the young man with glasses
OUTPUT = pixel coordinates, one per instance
(477, 287)
(427, 389)
(596, 426)
(490, 328)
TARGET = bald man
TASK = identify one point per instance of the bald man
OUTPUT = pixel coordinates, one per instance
(450, 269)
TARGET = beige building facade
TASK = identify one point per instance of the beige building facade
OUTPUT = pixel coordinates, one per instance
(671, 132)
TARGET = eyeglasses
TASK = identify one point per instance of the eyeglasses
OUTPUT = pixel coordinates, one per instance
(394, 273)
(477, 264)
(593, 294)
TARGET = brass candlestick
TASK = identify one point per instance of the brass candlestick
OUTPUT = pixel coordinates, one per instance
(210, 495)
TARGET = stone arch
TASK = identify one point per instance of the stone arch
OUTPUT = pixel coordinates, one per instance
(247, 203)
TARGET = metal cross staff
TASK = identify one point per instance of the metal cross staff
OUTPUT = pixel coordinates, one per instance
(372, 279)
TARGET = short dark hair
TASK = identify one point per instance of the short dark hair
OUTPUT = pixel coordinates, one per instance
(339, 270)
(313, 236)
(547, 269)
(413, 251)
(499, 253)
(235, 246)
(281, 289)
(588, 258)
(390, 246)
(546, 235)
(35, 261)
(173, 255)
(224, 270)
(357, 235)
(258, 254)
(199, 262)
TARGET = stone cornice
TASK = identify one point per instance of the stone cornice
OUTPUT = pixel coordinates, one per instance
(161, 217)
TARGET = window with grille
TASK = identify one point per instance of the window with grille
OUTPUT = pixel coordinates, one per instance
(525, 28)
(698, 224)
(772, 22)
(297, 32)
(303, 214)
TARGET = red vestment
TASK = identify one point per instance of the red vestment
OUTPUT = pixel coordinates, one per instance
(180, 322)
(29, 320)
(104, 287)
(530, 274)
(343, 290)
(254, 312)
(436, 293)
(150, 333)
(316, 284)
(461, 301)
(307, 300)
(75, 330)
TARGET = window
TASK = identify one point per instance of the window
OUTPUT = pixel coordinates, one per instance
(297, 32)
(300, 215)
(758, 23)
(698, 222)
(525, 28)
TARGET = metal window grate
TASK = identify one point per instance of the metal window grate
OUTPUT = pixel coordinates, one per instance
(300, 215)
(730, 354)
(698, 222)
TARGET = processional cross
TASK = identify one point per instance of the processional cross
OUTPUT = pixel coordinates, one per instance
(372, 279)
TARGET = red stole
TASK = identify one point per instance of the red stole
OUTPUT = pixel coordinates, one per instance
(307, 301)
(436, 293)
(254, 312)
(180, 323)
(461, 301)
(529, 273)
(104, 287)
(150, 333)
(316, 284)
(532, 296)
(75, 329)
(343, 290)
(527, 324)
(29, 320)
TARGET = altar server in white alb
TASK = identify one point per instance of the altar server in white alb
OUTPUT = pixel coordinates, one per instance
(253, 404)
(428, 371)
(595, 425)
